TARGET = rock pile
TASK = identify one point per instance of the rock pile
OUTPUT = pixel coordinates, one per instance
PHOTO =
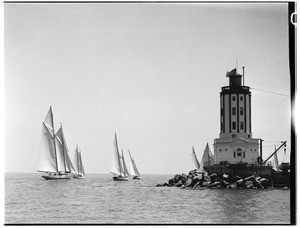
(200, 179)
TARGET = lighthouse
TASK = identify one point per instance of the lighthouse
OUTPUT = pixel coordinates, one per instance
(235, 143)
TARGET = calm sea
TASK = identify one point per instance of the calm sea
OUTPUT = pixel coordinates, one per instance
(98, 199)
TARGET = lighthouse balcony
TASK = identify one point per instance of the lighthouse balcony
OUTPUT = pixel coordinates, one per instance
(235, 89)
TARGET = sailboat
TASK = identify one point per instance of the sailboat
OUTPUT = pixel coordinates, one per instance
(275, 162)
(207, 157)
(133, 169)
(195, 159)
(80, 173)
(284, 166)
(118, 164)
(54, 160)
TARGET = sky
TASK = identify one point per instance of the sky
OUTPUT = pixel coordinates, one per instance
(152, 73)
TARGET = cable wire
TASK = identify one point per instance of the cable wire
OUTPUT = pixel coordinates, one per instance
(280, 94)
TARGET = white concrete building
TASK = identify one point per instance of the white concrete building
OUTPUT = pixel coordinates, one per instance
(235, 143)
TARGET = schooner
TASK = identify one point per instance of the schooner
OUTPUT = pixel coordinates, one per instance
(54, 160)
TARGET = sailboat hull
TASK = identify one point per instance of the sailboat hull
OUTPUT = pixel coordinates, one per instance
(120, 178)
(137, 177)
(78, 177)
(56, 177)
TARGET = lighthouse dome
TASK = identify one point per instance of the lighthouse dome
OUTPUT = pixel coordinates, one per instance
(235, 79)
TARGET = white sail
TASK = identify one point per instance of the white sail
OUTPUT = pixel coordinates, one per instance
(61, 165)
(69, 165)
(49, 122)
(78, 162)
(116, 164)
(132, 166)
(275, 161)
(64, 161)
(195, 159)
(135, 168)
(47, 157)
(76, 159)
(82, 172)
(208, 157)
(125, 170)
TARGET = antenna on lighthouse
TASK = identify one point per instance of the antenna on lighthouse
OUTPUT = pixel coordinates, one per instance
(243, 76)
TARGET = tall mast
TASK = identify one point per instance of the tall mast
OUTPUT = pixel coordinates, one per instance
(63, 146)
(53, 138)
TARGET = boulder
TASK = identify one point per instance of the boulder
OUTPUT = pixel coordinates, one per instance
(195, 181)
(188, 182)
(214, 177)
(224, 183)
(206, 177)
(163, 185)
(213, 185)
(171, 182)
(232, 185)
(248, 184)
(177, 178)
(184, 178)
(178, 184)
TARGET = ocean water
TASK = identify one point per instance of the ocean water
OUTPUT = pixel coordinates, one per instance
(98, 199)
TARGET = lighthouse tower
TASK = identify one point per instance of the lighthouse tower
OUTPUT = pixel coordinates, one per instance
(235, 143)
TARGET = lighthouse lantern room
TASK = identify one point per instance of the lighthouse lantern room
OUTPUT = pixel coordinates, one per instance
(235, 143)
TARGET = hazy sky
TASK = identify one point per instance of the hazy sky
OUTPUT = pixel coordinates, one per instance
(150, 72)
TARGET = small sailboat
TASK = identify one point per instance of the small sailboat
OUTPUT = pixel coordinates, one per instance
(80, 173)
(133, 169)
(275, 162)
(195, 159)
(54, 160)
(118, 164)
(284, 166)
(207, 157)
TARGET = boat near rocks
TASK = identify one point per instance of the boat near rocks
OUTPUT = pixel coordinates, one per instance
(133, 169)
(195, 159)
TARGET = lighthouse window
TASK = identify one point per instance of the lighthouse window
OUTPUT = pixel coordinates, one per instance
(241, 111)
(243, 154)
(234, 154)
(233, 125)
(233, 111)
(241, 98)
(233, 98)
(242, 125)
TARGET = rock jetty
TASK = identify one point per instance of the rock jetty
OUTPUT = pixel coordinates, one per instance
(196, 179)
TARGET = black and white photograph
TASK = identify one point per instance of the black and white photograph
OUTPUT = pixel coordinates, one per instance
(149, 113)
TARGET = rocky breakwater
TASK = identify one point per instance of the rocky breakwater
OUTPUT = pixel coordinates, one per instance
(196, 179)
